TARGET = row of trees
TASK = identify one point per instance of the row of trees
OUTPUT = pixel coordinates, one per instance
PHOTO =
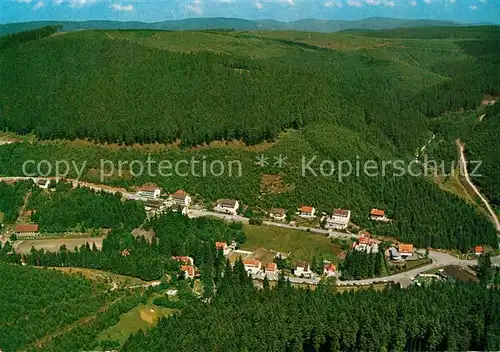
(361, 265)
(240, 317)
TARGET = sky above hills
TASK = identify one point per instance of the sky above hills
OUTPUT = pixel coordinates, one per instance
(467, 11)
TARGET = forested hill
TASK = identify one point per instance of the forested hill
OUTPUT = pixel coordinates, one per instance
(145, 86)
(372, 23)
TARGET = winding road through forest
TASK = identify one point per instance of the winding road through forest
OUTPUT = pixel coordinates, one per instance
(465, 173)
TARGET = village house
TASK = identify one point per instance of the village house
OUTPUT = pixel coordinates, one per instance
(181, 198)
(330, 270)
(478, 250)
(278, 214)
(307, 211)
(366, 244)
(339, 219)
(223, 247)
(227, 206)
(184, 259)
(272, 271)
(154, 205)
(378, 215)
(152, 192)
(26, 230)
(188, 271)
(252, 266)
(302, 269)
(405, 250)
(43, 183)
(125, 253)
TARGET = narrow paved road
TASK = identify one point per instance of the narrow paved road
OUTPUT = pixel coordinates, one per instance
(439, 260)
(202, 213)
(465, 172)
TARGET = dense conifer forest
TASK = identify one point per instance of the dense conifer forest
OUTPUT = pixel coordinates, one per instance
(36, 302)
(68, 208)
(242, 318)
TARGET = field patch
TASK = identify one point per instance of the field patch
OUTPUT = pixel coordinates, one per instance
(141, 317)
(302, 245)
(53, 244)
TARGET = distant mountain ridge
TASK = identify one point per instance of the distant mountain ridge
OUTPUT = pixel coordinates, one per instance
(372, 23)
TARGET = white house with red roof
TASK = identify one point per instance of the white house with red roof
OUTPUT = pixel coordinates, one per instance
(188, 271)
(366, 244)
(306, 211)
(339, 219)
(378, 215)
(149, 191)
(181, 198)
(252, 266)
(330, 270)
(272, 271)
(184, 259)
(223, 247)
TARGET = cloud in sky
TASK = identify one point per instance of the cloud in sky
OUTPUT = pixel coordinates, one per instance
(38, 5)
(388, 3)
(467, 11)
(354, 3)
(195, 8)
(333, 3)
(122, 8)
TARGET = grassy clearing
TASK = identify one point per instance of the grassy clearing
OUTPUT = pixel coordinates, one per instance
(302, 245)
(141, 317)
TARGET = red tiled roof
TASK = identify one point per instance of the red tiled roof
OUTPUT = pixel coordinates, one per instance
(405, 248)
(377, 212)
(183, 259)
(306, 209)
(188, 268)
(221, 245)
(341, 212)
(180, 194)
(271, 267)
(364, 240)
(146, 188)
(478, 249)
(27, 228)
(125, 253)
(330, 267)
(251, 262)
